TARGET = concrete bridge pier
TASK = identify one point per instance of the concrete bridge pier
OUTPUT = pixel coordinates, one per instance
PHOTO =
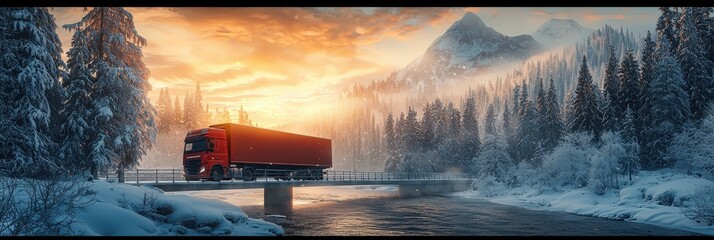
(278, 197)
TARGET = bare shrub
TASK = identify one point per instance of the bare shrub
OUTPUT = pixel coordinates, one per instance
(31, 207)
(702, 209)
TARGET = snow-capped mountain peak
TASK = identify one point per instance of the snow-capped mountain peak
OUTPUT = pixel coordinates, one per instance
(468, 46)
(556, 32)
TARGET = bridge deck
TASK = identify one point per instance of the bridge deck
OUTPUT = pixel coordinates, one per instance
(225, 185)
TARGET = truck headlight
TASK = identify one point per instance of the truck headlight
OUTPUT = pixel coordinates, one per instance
(203, 169)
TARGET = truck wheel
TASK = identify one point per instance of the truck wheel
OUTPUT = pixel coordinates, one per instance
(248, 175)
(217, 173)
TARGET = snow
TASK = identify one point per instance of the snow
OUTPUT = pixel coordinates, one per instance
(652, 197)
(114, 213)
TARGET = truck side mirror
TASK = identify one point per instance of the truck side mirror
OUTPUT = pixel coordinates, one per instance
(211, 145)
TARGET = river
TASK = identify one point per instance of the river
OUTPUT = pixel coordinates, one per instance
(378, 211)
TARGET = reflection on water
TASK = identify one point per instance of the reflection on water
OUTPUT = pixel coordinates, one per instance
(347, 211)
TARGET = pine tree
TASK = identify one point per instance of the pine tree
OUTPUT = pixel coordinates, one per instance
(506, 124)
(554, 126)
(164, 108)
(470, 140)
(198, 113)
(585, 115)
(527, 135)
(428, 121)
(666, 26)
(630, 163)
(177, 113)
(629, 93)
(646, 74)
(490, 121)
(667, 103)
(189, 119)
(124, 115)
(516, 107)
(390, 144)
(30, 68)
(77, 112)
(696, 68)
(523, 98)
(569, 111)
(611, 85)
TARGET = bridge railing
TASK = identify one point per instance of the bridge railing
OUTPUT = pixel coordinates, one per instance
(176, 175)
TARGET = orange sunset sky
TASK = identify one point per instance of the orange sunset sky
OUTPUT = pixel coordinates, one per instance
(283, 63)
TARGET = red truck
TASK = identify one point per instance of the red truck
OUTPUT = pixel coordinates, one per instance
(225, 151)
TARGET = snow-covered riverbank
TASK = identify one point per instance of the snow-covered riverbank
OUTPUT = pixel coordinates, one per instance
(114, 209)
(652, 197)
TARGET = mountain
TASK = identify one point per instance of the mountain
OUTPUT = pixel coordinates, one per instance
(559, 32)
(467, 47)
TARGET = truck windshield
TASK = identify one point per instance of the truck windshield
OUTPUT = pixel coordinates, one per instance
(196, 146)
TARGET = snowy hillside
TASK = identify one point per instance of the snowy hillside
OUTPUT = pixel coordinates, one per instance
(653, 197)
(467, 47)
(560, 32)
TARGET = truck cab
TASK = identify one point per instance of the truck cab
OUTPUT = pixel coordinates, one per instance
(205, 154)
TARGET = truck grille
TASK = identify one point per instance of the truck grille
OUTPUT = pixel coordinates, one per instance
(192, 167)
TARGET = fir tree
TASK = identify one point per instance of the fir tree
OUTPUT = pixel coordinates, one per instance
(667, 103)
(696, 68)
(585, 115)
(611, 85)
(30, 68)
(490, 121)
(553, 124)
(124, 115)
(77, 130)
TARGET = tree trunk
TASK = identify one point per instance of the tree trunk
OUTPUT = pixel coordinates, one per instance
(93, 170)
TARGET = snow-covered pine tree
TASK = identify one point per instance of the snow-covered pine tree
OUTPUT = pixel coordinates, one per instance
(30, 68)
(628, 74)
(554, 126)
(470, 139)
(611, 86)
(494, 159)
(630, 162)
(668, 105)
(695, 67)
(528, 135)
(198, 113)
(569, 111)
(646, 72)
(177, 114)
(189, 119)
(585, 115)
(506, 128)
(77, 128)
(428, 123)
(490, 121)
(124, 115)
(390, 144)
(437, 115)
(412, 140)
(516, 108)
(666, 24)
(523, 98)
(164, 110)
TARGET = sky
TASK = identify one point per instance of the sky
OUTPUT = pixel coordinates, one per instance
(283, 63)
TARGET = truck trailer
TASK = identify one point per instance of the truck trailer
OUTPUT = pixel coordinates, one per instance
(228, 150)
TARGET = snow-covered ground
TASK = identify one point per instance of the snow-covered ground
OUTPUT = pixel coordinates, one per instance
(646, 199)
(116, 209)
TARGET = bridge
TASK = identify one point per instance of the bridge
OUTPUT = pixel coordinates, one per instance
(279, 193)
